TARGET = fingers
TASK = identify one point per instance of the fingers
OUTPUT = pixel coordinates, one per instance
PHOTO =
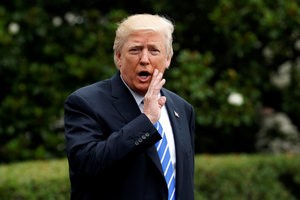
(162, 100)
(153, 102)
(155, 86)
(156, 83)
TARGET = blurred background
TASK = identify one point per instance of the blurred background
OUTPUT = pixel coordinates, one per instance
(237, 62)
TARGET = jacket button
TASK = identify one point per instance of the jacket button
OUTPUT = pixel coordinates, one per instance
(147, 134)
(136, 142)
(143, 137)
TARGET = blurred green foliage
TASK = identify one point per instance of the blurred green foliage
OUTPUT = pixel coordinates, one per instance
(247, 177)
(230, 62)
(246, 49)
(46, 180)
(45, 57)
(229, 177)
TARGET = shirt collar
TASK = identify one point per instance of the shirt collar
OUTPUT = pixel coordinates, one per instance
(138, 98)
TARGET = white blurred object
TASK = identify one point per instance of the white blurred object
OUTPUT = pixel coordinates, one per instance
(235, 99)
(13, 28)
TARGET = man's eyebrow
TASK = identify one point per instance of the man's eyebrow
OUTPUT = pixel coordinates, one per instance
(138, 45)
(135, 45)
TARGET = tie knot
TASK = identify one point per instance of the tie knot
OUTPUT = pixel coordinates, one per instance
(141, 106)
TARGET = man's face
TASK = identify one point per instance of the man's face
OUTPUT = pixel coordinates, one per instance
(143, 52)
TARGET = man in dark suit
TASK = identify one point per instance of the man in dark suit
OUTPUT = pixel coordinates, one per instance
(109, 126)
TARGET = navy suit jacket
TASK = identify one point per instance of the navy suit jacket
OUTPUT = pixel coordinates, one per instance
(110, 145)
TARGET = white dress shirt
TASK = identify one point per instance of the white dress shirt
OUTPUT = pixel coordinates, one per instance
(165, 122)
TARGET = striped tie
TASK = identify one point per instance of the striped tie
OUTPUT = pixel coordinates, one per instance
(165, 159)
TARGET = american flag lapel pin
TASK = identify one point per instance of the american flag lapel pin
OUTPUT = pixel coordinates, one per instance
(176, 114)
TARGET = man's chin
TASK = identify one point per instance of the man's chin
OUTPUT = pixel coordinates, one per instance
(142, 90)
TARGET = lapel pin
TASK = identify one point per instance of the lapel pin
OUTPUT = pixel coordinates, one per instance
(176, 114)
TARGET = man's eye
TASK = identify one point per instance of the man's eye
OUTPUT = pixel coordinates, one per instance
(134, 51)
(155, 51)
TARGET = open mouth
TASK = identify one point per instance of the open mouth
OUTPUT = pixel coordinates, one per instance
(144, 76)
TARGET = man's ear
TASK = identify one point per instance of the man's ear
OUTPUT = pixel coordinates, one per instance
(118, 60)
(168, 62)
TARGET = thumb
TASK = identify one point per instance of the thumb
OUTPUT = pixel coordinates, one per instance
(161, 101)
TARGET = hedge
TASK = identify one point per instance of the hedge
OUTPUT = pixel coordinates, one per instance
(31, 180)
(247, 177)
(222, 177)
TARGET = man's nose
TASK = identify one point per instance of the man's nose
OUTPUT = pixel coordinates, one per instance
(144, 57)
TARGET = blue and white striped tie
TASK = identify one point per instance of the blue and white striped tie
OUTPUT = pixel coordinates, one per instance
(165, 159)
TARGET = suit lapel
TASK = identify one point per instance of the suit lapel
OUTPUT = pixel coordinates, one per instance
(180, 146)
(126, 106)
(123, 99)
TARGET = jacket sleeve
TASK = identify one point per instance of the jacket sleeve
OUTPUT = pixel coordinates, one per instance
(91, 148)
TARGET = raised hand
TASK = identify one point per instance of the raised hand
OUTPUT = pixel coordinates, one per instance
(153, 102)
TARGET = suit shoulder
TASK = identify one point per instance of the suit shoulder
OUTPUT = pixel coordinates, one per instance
(99, 88)
(175, 97)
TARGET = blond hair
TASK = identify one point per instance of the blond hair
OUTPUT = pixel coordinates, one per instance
(138, 22)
